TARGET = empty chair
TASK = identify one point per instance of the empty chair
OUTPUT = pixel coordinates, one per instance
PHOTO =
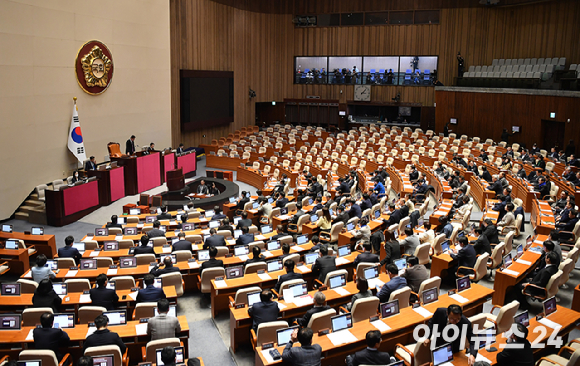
(364, 308)
(416, 354)
(321, 320)
(87, 314)
(403, 295)
(204, 281)
(27, 286)
(123, 282)
(174, 279)
(77, 284)
(504, 319)
(144, 310)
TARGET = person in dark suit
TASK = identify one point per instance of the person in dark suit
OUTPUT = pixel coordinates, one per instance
(341, 216)
(212, 262)
(150, 293)
(465, 257)
(103, 336)
(306, 354)
(180, 149)
(264, 311)
(101, 295)
(355, 210)
(226, 226)
(481, 244)
(164, 215)
(246, 238)
(395, 216)
(297, 215)
(68, 251)
(490, 231)
(143, 248)
(181, 244)
(392, 249)
(256, 256)
(539, 281)
(218, 214)
(571, 223)
(366, 256)
(366, 202)
(282, 201)
(371, 355)
(290, 274)
(520, 355)
(50, 338)
(285, 251)
(415, 274)
(323, 265)
(114, 222)
(317, 206)
(244, 222)
(91, 164)
(543, 187)
(485, 174)
(280, 232)
(156, 232)
(45, 297)
(495, 186)
(168, 356)
(319, 306)
(243, 200)
(130, 146)
(214, 240)
(343, 187)
(167, 267)
(453, 315)
(395, 283)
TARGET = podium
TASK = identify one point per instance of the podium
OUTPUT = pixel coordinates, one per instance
(175, 180)
(111, 186)
(141, 173)
(69, 204)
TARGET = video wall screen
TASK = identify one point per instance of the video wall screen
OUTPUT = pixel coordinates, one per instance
(370, 70)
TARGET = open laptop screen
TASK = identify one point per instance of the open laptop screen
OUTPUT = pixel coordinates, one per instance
(310, 258)
(283, 335)
(254, 297)
(117, 317)
(390, 308)
(302, 239)
(442, 354)
(550, 306)
(340, 322)
(343, 250)
(179, 356)
(371, 272)
(523, 319)
(463, 284)
(337, 281)
(64, 320)
(60, 288)
(274, 265)
(430, 295)
(107, 360)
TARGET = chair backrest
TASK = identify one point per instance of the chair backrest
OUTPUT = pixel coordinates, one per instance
(321, 320)
(47, 357)
(554, 283)
(422, 253)
(255, 267)
(403, 295)
(242, 294)
(335, 230)
(87, 314)
(209, 274)
(159, 241)
(497, 255)
(292, 257)
(144, 310)
(422, 354)
(480, 267)
(123, 282)
(334, 273)
(364, 308)
(78, 284)
(145, 258)
(266, 332)
(360, 268)
(173, 279)
(31, 316)
(566, 267)
(429, 283)
(152, 347)
(65, 262)
(505, 317)
(104, 262)
(289, 283)
(183, 255)
(27, 286)
(222, 251)
(106, 350)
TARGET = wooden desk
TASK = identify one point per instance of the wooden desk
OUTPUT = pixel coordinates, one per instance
(18, 259)
(345, 238)
(223, 162)
(141, 173)
(69, 204)
(576, 299)
(442, 210)
(252, 177)
(44, 244)
(542, 217)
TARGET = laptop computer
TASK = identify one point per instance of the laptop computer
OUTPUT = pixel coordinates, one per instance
(237, 233)
(52, 264)
(110, 246)
(157, 283)
(171, 312)
(283, 335)
(7, 228)
(273, 245)
(128, 262)
(341, 322)
(507, 260)
(302, 239)
(111, 285)
(209, 213)
(64, 320)
(371, 272)
(10, 321)
(202, 255)
(241, 250)
(523, 319)
(237, 219)
(549, 306)
(350, 226)
(520, 250)
(274, 265)
(134, 211)
(187, 227)
(310, 258)
(60, 288)
(117, 317)
(430, 295)
(34, 363)
(266, 229)
(337, 281)
(377, 214)
(396, 234)
(88, 264)
(179, 356)
(463, 284)
(232, 199)
(37, 230)
(442, 354)
(299, 289)
(486, 337)
(445, 246)
(343, 250)
(255, 205)
(214, 224)
(234, 272)
(254, 297)
(80, 246)
(401, 264)
(284, 211)
(10, 289)
(389, 308)
(107, 360)
(313, 218)
(121, 220)
(150, 219)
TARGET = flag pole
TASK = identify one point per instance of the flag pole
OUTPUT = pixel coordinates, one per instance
(75, 101)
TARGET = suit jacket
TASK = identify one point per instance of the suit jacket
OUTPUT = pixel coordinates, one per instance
(244, 223)
(150, 294)
(163, 326)
(160, 271)
(263, 312)
(368, 356)
(516, 357)
(202, 189)
(543, 276)
(323, 266)
(282, 202)
(212, 262)
(415, 276)
(465, 257)
(344, 217)
(393, 251)
(215, 241)
(102, 296)
(440, 319)
(302, 356)
(129, 147)
(47, 300)
(343, 188)
(492, 235)
(227, 227)
(411, 243)
(244, 239)
(394, 218)
(481, 245)
(51, 339)
(287, 277)
(355, 211)
(70, 252)
(242, 203)
(568, 226)
(90, 166)
(366, 257)
(143, 249)
(496, 187)
(164, 216)
(182, 245)
(218, 217)
(156, 233)
(104, 337)
(388, 288)
(366, 204)
(314, 310)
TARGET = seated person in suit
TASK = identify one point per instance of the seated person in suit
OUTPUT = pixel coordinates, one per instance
(91, 164)
(213, 190)
(167, 267)
(212, 262)
(281, 200)
(371, 355)
(306, 354)
(226, 226)
(150, 293)
(180, 149)
(411, 242)
(490, 231)
(290, 274)
(280, 232)
(45, 297)
(218, 214)
(256, 256)
(444, 227)
(40, 271)
(246, 238)
(244, 222)
(362, 286)
(243, 200)
(164, 215)
(264, 311)
(143, 248)
(156, 232)
(50, 338)
(481, 244)
(323, 265)
(101, 295)
(114, 223)
(319, 306)
(341, 215)
(214, 240)
(453, 315)
(415, 273)
(285, 250)
(163, 326)
(363, 234)
(68, 251)
(317, 206)
(522, 354)
(465, 256)
(297, 215)
(355, 210)
(571, 223)
(395, 216)
(495, 185)
(539, 281)
(151, 148)
(366, 256)
(181, 244)
(103, 336)
(392, 248)
(396, 283)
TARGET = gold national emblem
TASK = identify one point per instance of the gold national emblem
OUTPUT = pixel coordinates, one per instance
(94, 67)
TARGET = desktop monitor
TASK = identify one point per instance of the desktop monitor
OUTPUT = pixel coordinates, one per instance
(430, 295)
(60, 288)
(266, 229)
(101, 231)
(64, 320)
(254, 297)
(241, 250)
(344, 250)
(172, 312)
(341, 322)
(371, 272)
(442, 354)
(310, 202)
(111, 246)
(463, 284)
(302, 239)
(205, 237)
(283, 335)
(234, 272)
(273, 245)
(88, 264)
(214, 224)
(134, 211)
(128, 262)
(117, 317)
(529, 241)
(108, 360)
(549, 306)
(10, 289)
(179, 356)
(389, 308)
(248, 195)
(420, 222)
(523, 319)
(337, 281)
(36, 230)
(157, 283)
(202, 255)
(10, 321)
(209, 213)
(80, 246)
(396, 234)
(150, 219)
(310, 258)
(507, 260)
(274, 265)
(11, 244)
(299, 289)
(7, 228)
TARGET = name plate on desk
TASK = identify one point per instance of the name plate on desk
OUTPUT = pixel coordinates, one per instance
(239, 306)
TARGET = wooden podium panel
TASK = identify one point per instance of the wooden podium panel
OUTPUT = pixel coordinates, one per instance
(112, 184)
(71, 203)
